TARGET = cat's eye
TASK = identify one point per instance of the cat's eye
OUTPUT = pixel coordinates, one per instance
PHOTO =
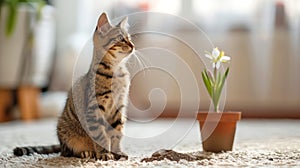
(120, 38)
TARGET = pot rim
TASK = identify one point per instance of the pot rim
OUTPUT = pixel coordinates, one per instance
(230, 116)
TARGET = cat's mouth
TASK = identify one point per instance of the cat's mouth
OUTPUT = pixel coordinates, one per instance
(129, 47)
(131, 50)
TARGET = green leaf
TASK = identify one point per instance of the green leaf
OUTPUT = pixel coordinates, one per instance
(12, 17)
(207, 82)
(218, 79)
(40, 4)
(220, 86)
(13, 12)
(1, 4)
(224, 78)
(210, 76)
(210, 81)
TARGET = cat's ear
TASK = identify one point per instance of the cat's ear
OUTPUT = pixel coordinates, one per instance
(103, 24)
(123, 24)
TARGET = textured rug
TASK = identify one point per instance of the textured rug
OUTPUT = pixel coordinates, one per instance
(259, 143)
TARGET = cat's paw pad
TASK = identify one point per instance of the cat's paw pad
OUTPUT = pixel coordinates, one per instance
(87, 154)
(105, 156)
(121, 156)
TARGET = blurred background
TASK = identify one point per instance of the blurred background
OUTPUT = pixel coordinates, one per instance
(261, 36)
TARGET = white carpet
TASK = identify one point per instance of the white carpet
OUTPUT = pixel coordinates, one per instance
(259, 143)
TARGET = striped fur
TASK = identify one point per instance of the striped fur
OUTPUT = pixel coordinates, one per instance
(92, 119)
(19, 151)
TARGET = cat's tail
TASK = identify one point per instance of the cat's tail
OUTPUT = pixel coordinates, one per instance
(28, 150)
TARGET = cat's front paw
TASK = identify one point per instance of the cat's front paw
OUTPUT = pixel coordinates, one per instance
(87, 154)
(120, 156)
(104, 156)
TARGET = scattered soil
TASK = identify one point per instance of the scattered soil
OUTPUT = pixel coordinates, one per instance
(174, 156)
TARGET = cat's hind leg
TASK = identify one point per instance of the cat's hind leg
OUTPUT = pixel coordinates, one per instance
(65, 151)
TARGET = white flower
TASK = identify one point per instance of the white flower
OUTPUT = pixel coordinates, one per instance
(217, 57)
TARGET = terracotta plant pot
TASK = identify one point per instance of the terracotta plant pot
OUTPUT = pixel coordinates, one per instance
(219, 130)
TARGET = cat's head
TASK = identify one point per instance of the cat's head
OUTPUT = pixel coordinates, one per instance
(113, 38)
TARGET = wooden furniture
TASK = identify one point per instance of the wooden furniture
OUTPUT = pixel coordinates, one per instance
(6, 102)
(27, 101)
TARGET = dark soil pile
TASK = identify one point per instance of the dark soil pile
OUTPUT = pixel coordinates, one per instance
(174, 156)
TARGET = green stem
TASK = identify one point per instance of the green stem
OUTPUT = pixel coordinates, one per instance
(215, 97)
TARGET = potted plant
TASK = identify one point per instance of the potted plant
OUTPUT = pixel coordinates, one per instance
(217, 128)
(22, 25)
(13, 6)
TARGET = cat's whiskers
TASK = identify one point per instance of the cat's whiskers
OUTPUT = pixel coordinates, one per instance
(131, 62)
(140, 63)
(144, 59)
(140, 59)
(135, 37)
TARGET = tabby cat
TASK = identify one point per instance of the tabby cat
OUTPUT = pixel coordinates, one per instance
(91, 123)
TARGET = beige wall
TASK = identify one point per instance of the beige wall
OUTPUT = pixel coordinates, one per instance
(254, 86)
(265, 61)
(248, 74)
